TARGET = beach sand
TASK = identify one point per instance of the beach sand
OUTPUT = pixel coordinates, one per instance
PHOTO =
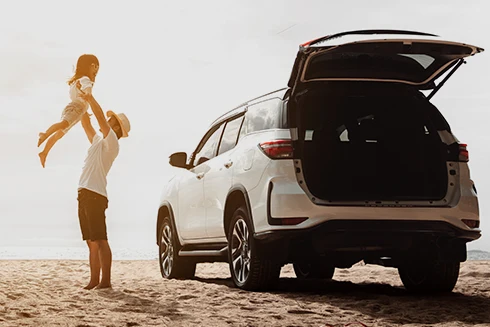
(49, 293)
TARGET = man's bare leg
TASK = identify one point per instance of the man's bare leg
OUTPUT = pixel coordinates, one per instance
(53, 128)
(94, 261)
(51, 142)
(105, 256)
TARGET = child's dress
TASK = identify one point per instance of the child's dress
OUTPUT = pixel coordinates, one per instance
(78, 106)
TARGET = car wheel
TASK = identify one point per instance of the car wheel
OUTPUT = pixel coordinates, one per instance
(429, 277)
(249, 270)
(305, 270)
(171, 265)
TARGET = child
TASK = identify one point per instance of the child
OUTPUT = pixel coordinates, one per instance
(81, 82)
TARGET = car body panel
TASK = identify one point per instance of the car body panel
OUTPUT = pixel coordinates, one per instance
(217, 182)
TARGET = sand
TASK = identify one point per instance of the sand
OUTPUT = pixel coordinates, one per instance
(49, 293)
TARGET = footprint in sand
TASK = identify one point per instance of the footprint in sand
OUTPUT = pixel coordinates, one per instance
(76, 306)
(186, 297)
(25, 314)
(301, 312)
(14, 296)
(55, 309)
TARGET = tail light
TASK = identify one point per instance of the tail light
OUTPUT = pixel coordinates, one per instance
(458, 152)
(463, 153)
(278, 149)
(471, 223)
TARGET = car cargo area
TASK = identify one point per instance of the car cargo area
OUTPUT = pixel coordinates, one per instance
(371, 142)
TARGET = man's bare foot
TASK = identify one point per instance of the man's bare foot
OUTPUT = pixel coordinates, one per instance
(91, 286)
(42, 157)
(42, 138)
(103, 285)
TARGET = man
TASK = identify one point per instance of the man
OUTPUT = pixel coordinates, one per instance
(92, 194)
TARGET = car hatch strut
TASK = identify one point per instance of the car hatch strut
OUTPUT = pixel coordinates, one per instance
(434, 91)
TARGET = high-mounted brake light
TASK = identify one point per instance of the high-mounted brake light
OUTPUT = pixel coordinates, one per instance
(306, 44)
(278, 149)
(464, 156)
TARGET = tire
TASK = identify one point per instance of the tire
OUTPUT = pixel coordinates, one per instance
(171, 265)
(426, 277)
(249, 270)
(305, 270)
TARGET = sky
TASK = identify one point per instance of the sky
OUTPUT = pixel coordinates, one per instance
(173, 67)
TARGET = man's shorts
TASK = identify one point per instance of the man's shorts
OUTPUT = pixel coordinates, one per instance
(91, 213)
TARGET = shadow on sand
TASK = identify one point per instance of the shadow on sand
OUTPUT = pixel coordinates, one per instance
(382, 301)
(132, 303)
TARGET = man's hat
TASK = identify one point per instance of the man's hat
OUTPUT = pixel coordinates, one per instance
(122, 120)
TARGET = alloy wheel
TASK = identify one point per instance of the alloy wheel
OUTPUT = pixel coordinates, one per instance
(166, 251)
(240, 251)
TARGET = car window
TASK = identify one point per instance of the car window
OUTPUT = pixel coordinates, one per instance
(263, 115)
(208, 149)
(230, 135)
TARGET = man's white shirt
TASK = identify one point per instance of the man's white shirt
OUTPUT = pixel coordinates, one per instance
(100, 156)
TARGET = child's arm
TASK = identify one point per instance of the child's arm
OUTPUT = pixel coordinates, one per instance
(87, 127)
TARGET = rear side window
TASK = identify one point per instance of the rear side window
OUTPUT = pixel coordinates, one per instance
(230, 135)
(263, 115)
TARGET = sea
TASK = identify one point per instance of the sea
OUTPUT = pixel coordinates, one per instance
(73, 253)
(118, 253)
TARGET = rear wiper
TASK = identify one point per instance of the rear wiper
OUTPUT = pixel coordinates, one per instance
(434, 91)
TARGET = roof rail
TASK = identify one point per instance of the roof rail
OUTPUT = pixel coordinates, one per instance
(334, 36)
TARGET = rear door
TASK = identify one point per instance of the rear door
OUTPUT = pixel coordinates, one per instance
(218, 179)
(388, 56)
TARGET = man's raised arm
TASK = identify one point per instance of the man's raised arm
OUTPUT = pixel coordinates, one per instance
(87, 127)
(99, 114)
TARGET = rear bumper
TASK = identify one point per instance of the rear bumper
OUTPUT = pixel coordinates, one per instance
(354, 240)
(281, 196)
(363, 229)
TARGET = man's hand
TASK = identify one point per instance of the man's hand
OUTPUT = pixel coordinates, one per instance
(86, 96)
(79, 87)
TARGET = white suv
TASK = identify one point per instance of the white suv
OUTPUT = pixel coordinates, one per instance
(351, 162)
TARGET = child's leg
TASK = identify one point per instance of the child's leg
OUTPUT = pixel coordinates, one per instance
(52, 141)
(53, 128)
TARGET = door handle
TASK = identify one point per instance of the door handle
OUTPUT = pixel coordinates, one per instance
(228, 164)
(200, 175)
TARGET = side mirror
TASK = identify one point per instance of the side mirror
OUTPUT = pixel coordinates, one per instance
(179, 159)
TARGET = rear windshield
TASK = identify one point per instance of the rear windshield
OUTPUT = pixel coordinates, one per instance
(415, 64)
